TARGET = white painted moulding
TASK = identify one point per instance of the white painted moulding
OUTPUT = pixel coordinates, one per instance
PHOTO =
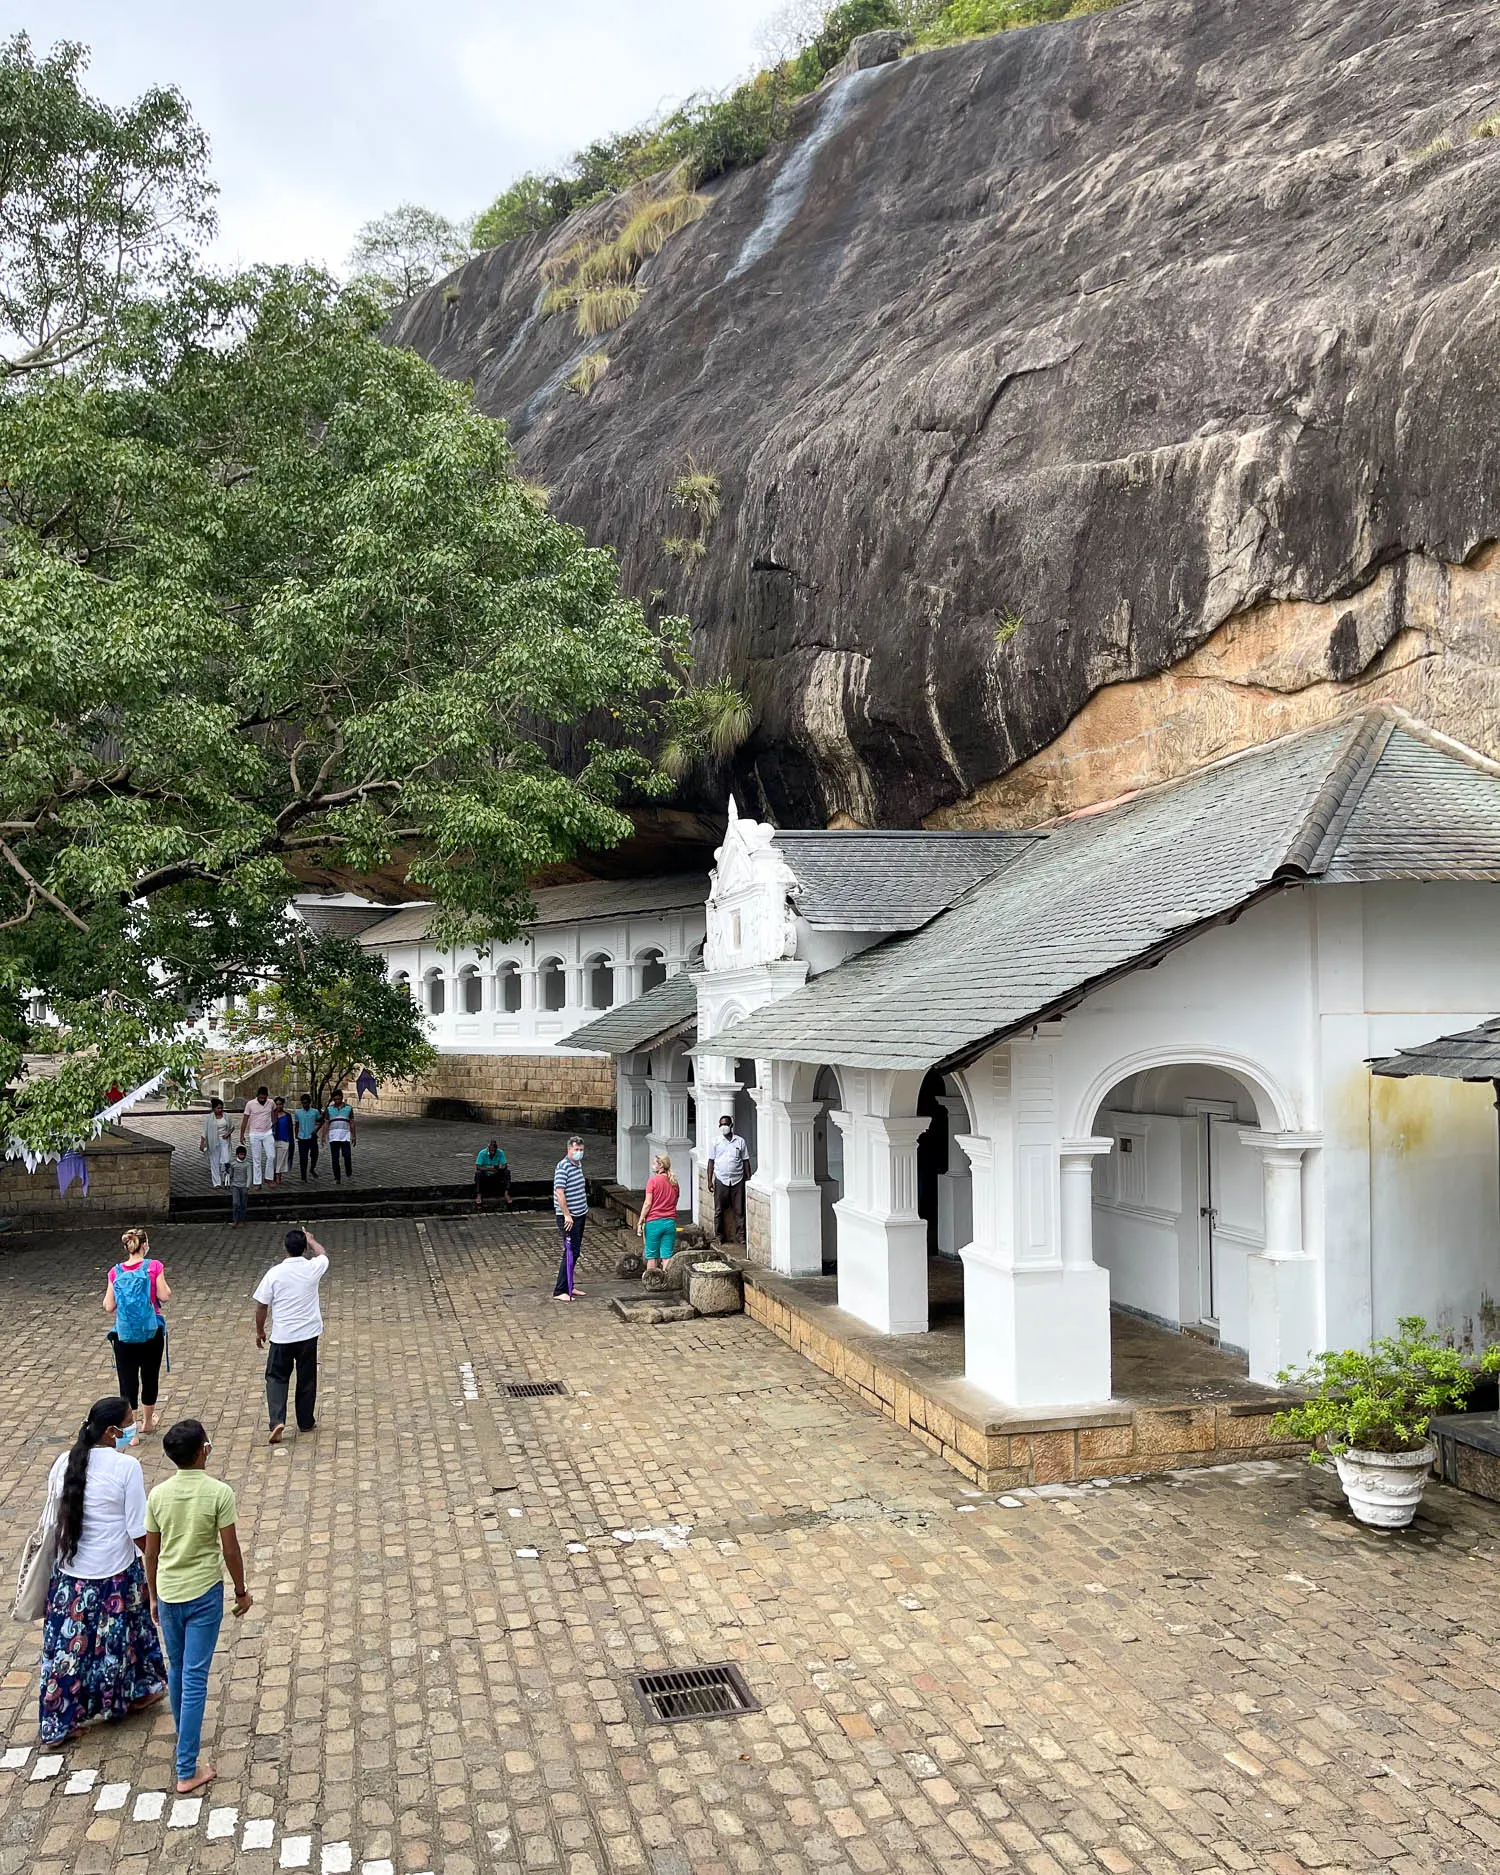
(1385, 1488)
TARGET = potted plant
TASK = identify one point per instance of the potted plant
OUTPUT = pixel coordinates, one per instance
(1370, 1411)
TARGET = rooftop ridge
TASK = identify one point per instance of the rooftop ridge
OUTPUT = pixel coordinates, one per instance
(1334, 800)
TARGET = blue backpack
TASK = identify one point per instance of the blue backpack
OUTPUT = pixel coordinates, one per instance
(136, 1318)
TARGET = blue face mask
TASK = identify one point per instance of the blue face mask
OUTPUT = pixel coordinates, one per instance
(126, 1437)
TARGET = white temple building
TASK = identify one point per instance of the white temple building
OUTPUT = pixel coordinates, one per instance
(1114, 1063)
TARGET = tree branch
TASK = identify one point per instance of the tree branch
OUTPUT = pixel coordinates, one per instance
(36, 887)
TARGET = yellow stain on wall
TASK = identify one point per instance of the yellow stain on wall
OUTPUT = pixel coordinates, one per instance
(1425, 1115)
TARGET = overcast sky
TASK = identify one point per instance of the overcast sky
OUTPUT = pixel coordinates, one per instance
(325, 112)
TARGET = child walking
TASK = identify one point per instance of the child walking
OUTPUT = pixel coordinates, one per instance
(238, 1175)
(190, 1536)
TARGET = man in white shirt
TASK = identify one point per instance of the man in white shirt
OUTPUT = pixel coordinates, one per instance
(256, 1132)
(729, 1164)
(288, 1295)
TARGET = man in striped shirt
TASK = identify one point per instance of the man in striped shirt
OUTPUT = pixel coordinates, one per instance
(570, 1203)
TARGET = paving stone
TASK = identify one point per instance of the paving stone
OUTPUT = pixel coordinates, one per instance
(1212, 1670)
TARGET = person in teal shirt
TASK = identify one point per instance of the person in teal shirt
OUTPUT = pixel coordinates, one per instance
(491, 1174)
(338, 1130)
(307, 1119)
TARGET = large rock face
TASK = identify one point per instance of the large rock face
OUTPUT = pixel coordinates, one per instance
(1172, 333)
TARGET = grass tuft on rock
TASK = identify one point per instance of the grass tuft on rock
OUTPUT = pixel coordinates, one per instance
(590, 369)
(602, 309)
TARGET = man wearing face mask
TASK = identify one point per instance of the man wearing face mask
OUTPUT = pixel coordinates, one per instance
(729, 1161)
(570, 1204)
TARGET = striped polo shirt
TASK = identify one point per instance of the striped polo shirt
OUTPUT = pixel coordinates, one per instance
(569, 1175)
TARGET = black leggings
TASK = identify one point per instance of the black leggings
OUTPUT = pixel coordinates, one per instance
(138, 1365)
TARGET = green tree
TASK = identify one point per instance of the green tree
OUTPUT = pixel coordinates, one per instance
(410, 247)
(330, 1012)
(98, 206)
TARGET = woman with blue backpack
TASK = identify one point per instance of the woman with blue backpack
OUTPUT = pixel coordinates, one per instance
(136, 1290)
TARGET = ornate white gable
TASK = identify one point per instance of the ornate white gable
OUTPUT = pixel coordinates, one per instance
(751, 919)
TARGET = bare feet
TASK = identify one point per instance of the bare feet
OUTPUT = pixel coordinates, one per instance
(205, 1774)
(563, 1296)
(145, 1705)
(277, 1433)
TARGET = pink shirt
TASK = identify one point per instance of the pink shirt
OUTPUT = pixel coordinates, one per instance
(258, 1113)
(661, 1198)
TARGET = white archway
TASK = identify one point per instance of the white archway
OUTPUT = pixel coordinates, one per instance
(1275, 1109)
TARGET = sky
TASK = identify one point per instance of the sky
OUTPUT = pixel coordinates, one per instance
(324, 113)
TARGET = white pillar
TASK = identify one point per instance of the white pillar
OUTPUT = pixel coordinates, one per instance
(1283, 1277)
(1036, 1305)
(669, 1126)
(882, 1238)
(633, 1121)
(796, 1204)
(955, 1187)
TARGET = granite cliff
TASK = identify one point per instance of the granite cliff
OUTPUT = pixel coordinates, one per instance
(1086, 401)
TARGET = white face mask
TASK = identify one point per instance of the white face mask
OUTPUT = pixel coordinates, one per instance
(725, 1130)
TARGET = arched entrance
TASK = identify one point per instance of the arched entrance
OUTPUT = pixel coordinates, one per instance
(1179, 1199)
(828, 1162)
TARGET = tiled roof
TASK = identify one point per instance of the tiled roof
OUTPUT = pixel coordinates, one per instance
(1473, 1055)
(650, 1018)
(564, 904)
(1369, 797)
(859, 880)
(342, 920)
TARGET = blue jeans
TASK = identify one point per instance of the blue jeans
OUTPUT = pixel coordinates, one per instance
(190, 1631)
(239, 1201)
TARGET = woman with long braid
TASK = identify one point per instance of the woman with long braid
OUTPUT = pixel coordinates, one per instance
(101, 1656)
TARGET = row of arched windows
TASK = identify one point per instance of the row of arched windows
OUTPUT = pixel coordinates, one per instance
(552, 985)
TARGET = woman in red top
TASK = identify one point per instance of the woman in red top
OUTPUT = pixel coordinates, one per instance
(658, 1225)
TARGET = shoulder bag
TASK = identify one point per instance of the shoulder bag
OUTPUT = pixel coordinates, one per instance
(38, 1559)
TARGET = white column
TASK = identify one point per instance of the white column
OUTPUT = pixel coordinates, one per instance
(1283, 1277)
(955, 1187)
(1036, 1305)
(882, 1238)
(633, 1121)
(786, 1148)
(624, 976)
(669, 1126)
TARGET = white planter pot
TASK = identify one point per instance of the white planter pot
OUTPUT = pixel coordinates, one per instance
(1385, 1488)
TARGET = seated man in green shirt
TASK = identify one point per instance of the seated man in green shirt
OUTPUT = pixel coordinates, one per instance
(190, 1536)
(491, 1175)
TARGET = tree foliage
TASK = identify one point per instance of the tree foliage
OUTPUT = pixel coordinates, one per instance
(408, 248)
(97, 206)
(272, 597)
(1381, 1400)
(331, 1011)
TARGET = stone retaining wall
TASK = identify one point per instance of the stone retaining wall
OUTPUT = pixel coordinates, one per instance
(999, 1456)
(130, 1178)
(758, 1228)
(516, 1090)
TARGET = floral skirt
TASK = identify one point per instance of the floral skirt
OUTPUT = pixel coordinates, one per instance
(101, 1654)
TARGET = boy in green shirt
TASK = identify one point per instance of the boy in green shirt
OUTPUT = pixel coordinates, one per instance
(190, 1535)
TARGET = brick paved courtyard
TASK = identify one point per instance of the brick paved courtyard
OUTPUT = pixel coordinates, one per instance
(1208, 1671)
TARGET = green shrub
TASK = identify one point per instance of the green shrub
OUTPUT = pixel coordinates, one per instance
(976, 19)
(1380, 1401)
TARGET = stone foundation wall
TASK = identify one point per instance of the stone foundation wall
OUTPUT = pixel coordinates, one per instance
(130, 1178)
(515, 1090)
(1044, 1450)
(758, 1228)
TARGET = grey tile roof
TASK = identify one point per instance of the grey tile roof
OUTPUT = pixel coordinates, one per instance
(564, 904)
(637, 1024)
(859, 880)
(1371, 796)
(1473, 1055)
(342, 920)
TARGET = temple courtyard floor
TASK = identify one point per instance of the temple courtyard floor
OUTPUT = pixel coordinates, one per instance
(1198, 1670)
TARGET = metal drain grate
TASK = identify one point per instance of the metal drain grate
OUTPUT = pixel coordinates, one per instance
(533, 1389)
(694, 1693)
